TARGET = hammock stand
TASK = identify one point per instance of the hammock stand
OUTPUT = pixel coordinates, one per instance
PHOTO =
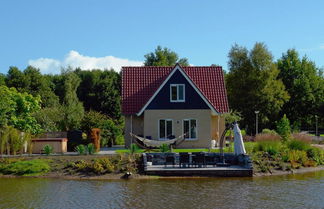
(153, 144)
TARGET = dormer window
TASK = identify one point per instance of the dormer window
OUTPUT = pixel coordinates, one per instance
(177, 92)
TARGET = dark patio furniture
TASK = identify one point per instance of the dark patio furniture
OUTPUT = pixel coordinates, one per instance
(211, 159)
(169, 159)
(184, 159)
(198, 159)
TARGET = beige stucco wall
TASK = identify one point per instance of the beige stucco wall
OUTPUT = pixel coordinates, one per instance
(203, 117)
(137, 126)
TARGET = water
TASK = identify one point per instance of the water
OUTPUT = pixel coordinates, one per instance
(292, 191)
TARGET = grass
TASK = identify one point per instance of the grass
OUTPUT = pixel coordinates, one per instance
(25, 168)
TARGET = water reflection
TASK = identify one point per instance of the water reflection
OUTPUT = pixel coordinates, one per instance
(293, 191)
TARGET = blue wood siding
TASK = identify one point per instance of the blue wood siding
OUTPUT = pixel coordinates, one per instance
(192, 98)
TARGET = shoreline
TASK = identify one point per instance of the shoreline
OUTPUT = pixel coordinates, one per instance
(52, 175)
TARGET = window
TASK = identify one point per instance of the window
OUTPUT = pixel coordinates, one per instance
(177, 92)
(190, 128)
(165, 128)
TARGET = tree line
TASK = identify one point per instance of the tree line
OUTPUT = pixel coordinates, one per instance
(77, 99)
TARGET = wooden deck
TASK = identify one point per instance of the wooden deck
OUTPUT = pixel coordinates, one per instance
(233, 170)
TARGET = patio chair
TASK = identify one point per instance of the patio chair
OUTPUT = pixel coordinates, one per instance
(211, 159)
(169, 159)
(184, 159)
(198, 159)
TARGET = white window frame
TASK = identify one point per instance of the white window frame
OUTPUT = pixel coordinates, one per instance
(165, 131)
(189, 119)
(184, 93)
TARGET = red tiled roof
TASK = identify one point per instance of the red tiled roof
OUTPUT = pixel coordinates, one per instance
(140, 83)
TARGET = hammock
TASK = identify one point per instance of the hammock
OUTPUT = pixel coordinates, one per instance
(156, 143)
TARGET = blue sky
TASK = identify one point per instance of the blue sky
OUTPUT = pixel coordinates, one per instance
(105, 34)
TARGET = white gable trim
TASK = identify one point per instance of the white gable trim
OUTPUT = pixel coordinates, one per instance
(177, 67)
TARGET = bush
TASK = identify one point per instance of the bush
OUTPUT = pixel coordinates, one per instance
(298, 145)
(164, 148)
(48, 149)
(283, 128)
(134, 149)
(271, 147)
(81, 149)
(297, 158)
(316, 154)
(268, 131)
(90, 149)
(26, 168)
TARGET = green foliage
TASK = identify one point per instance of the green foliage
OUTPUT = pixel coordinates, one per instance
(2, 79)
(50, 118)
(103, 87)
(252, 84)
(268, 131)
(283, 128)
(134, 149)
(165, 148)
(109, 128)
(305, 84)
(72, 108)
(316, 154)
(81, 149)
(25, 168)
(164, 57)
(271, 147)
(90, 149)
(116, 164)
(48, 149)
(232, 116)
(298, 145)
(17, 109)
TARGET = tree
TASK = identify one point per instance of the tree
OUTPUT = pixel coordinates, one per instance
(2, 79)
(17, 110)
(305, 85)
(283, 128)
(164, 57)
(109, 128)
(101, 91)
(34, 83)
(72, 108)
(252, 84)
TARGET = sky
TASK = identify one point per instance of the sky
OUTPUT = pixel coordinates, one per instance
(110, 34)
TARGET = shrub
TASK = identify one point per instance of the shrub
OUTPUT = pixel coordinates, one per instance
(316, 154)
(97, 168)
(283, 128)
(90, 149)
(298, 145)
(48, 149)
(268, 131)
(271, 147)
(26, 168)
(297, 157)
(81, 149)
(107, 164)
(134, 149)
(164, 148)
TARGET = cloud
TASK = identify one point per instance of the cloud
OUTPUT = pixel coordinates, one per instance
(75, 59)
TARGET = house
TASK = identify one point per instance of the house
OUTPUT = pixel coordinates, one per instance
(165, 102)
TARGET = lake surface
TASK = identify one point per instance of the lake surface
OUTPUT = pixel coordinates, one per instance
(291, 191)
